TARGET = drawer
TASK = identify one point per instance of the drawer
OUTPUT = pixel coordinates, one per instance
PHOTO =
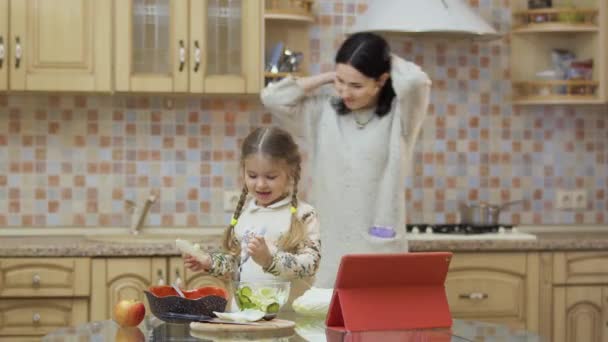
(35, 317)
(490, 287)
(583, 268)
(44, 277)
(486, 294)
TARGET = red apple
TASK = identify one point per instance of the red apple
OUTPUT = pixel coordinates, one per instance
(129, 334)
(129, 312)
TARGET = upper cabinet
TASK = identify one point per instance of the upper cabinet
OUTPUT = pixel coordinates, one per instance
(3, 44)
(198, 46)
(559, 51)
(59, 45)
(287, 43)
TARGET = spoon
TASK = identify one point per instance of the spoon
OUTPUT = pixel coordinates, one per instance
(179, 291)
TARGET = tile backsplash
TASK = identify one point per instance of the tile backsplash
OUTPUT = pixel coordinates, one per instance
(73, 160)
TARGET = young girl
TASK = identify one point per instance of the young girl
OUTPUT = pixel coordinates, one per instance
(272, 235)
(361, 141)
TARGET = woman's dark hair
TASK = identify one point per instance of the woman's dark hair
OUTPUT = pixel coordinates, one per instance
(370, 54)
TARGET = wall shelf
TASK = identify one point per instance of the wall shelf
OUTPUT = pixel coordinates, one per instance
(288, 22)
(539, 35)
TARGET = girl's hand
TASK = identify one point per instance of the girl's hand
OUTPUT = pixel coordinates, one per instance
(194, 264)
(259, 251)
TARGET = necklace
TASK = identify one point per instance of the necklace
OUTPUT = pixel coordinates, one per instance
(362, 124)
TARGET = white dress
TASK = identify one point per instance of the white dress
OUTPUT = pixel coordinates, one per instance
(357, 173)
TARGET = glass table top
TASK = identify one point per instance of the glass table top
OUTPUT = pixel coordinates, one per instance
(307, 329)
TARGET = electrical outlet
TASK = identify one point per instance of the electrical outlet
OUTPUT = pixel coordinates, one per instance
(563, 199)
(231, 198)
(579, 199)
(571, 200)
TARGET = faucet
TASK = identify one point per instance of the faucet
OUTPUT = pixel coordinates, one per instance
(138, 215)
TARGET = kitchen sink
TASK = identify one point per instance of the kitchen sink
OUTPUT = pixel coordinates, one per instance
(145, 238)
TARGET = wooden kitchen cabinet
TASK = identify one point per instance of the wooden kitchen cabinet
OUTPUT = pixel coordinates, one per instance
(114, 279)
(580, 296)
(39, 295)
(33, 318)
(580, 314)
(192, 280)
(495, 287)
(198, 46)
(536, 33)
(60, 45)
(288, 22)
(4, 44)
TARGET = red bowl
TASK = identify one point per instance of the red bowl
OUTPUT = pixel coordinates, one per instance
(164, 301)
(164, 291)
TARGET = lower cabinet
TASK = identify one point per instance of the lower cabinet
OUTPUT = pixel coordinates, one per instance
(580, 313)
(39, 295)
(191, 280)
(115, 279)
(32, 318)
(495, 287)
(579, 285)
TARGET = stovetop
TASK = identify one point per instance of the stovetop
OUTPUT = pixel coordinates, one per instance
(457, 228)
(457, 231)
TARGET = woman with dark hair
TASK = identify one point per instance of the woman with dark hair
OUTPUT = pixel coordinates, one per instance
(360, 142)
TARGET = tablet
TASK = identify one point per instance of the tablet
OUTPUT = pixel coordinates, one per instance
(391, 292)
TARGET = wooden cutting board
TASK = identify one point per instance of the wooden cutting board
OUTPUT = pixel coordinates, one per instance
(263, 329)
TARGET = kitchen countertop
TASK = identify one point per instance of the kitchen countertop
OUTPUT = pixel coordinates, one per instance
(307, 329)
(560, 239)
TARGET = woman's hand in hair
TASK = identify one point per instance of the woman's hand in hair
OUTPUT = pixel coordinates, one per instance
(313, 82)
(259, 251)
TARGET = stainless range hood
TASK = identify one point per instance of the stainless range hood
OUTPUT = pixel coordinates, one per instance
(435, 18)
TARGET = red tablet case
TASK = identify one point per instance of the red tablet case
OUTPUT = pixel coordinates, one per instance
(390, 292)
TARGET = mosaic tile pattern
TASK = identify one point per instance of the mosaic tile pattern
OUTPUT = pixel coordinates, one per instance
(70, 160)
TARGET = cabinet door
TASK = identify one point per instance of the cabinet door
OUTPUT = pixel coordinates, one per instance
(192, 280)
(123, 278)
(35, 317)
(226, 41)
(60, 45)
(579, 314)
(151, 40)
(4, 44)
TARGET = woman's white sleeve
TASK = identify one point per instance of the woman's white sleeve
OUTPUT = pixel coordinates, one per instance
(412, 87)
(305, 261)
(291, 106)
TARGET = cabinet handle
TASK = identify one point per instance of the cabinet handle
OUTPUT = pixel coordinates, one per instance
(182, 55)
(197, 56)
(36, 318)
(18, 52)
(36, 280)
(1, 51)
(161, 279)
(473, 296)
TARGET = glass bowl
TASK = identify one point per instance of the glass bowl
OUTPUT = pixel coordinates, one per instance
(267, 296)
